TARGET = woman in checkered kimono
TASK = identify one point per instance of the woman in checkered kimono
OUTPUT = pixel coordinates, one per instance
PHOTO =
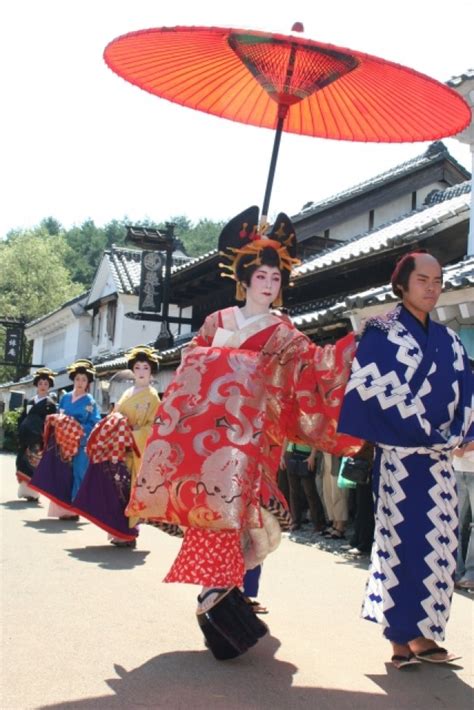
(105, 491)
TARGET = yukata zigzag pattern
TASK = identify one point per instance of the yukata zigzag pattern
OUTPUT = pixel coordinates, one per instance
(441, 560)
(388, 389)
(458, 363)
(408, 352)
(382, 576)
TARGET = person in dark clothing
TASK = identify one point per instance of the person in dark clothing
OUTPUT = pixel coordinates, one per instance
(301, 467)
(30, 431)
(364, 521)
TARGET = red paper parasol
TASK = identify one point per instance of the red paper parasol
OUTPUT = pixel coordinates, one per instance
(289, 84)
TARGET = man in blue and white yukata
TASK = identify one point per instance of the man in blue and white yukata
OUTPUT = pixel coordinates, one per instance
(410, 393)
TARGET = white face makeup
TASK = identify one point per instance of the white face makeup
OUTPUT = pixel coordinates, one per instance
(265, 284)
(142, 372)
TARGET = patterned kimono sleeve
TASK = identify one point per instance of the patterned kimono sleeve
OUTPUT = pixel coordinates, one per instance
(320, 376)
(206, 332)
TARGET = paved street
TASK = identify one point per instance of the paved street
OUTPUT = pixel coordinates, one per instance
(89, 626)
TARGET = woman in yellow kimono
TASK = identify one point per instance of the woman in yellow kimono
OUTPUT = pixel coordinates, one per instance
(139, 404)
(115, 448)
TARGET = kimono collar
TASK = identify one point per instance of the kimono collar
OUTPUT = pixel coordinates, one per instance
(406, 316)
(421, 332)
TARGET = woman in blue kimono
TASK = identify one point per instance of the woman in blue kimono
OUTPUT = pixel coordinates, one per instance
(59, 474)
(410, 393)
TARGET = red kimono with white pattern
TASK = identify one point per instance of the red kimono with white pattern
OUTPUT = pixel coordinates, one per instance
(213, 454)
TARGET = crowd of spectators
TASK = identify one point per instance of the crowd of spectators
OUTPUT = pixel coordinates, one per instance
(310, 480)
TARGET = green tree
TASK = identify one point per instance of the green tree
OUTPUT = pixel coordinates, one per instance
(51, 226)
(200, 238)
(33, 278)
(182, 224)
(87, 243)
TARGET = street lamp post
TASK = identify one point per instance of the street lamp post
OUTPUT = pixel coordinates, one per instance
(155, 240)
(165, 338)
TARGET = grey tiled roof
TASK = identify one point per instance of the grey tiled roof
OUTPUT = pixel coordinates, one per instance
(403, 230)
(456, 276)
(456, 81)
(433, 154)
(125, 266)
(193, 261)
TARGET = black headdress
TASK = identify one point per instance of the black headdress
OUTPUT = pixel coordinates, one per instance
(243, 237)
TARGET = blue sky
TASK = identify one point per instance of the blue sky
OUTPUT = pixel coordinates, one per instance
(78, 142)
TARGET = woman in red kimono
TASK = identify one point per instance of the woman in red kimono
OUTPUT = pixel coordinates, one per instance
(247, 380)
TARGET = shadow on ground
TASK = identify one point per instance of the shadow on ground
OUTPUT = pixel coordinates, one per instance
(110, 557)
(193, 679)
(306, 536)
(53, 526)
(19, 504)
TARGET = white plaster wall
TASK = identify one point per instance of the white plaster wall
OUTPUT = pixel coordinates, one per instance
(104, 283)
(37, 357)
(104, 344)
(393, 209)
(382, 215)
(84, 340)
(72, 339)
(54, 349)
(132, 332)
(351, 227)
